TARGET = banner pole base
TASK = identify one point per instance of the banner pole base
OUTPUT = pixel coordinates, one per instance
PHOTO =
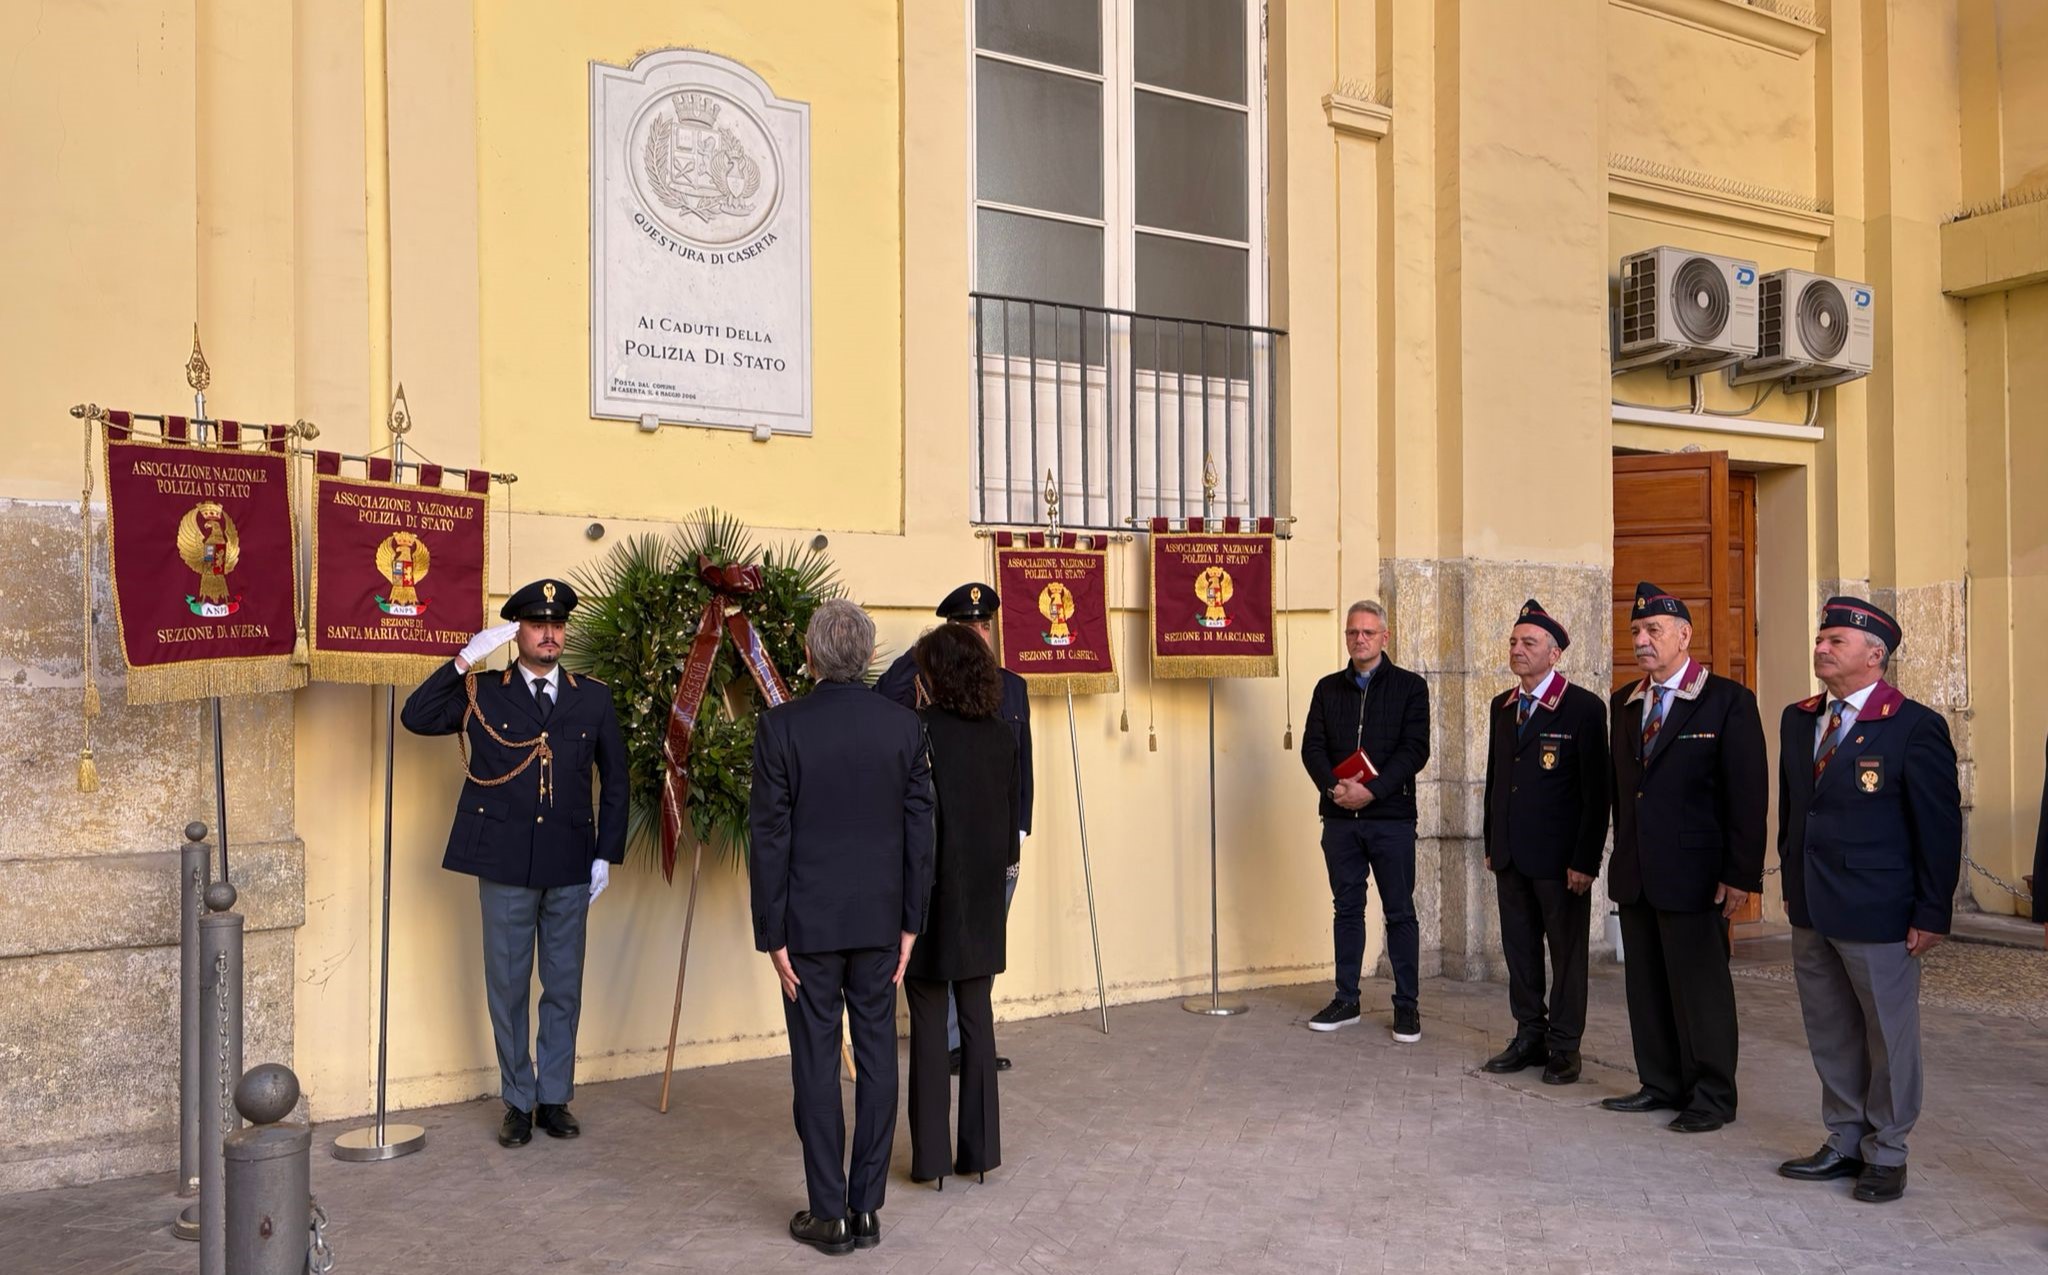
(362, 1145)
(187, 1225)
(1213, 1006)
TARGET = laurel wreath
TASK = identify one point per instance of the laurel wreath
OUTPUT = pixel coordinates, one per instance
(638, 611)
(655, 160)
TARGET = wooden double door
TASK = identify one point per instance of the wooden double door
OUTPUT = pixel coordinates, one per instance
(1685, 522)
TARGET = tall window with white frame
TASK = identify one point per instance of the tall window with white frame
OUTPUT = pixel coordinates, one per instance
(1119, 260)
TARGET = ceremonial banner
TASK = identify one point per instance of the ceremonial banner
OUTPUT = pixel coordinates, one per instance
(1054, 630)
(1212, 600)
(398, 575)
(204, 560)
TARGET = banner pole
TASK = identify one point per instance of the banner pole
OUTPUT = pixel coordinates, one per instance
(675, 1017)
(381, 1141)
(1087, 875)
(199, 375)
(1213, 1005)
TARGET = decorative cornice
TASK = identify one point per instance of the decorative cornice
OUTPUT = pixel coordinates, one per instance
(1693, 197)
(1781, 26)
(1357, 116)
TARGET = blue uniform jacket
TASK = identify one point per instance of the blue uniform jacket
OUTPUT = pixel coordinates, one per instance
(900, 684)
(507, 832)
(1875, 846)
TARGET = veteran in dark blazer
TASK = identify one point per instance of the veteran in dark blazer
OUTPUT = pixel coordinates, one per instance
(840, 873)
(1870, 835)
(1691, 788)
(1545, 829)
(2037, 882)
(525, 827)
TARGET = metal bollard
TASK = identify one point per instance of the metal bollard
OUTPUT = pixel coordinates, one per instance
(193, 871)
(220, 1040)
(269, 1178)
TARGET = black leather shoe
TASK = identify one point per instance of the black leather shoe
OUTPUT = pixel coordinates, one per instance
(867, 1230)
(1824, 1165)
(827, 1235)
(1518, 1055)
(1695, 1122)
(1640, 1100)
(555, 1121)
(1002, 1063)
(1562, 1069)
(1880, 1183)
(517, 1130)
(953, 1061)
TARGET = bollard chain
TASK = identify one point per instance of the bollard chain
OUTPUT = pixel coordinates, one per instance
(220, 986)
(319, 1257)
(1999, 881)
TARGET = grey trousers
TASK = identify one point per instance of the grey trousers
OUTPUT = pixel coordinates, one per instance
(1861, 1002)
(514, 917)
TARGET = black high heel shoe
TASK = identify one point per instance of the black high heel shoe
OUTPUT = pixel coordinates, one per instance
(941, 1180)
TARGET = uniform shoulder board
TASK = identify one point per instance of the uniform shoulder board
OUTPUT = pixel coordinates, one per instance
(595, 680)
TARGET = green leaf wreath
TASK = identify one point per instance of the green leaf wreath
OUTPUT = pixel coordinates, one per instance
(638, 611)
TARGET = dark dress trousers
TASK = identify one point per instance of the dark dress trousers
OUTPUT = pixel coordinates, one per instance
(973, 765)
(1546, 811)
(899, 683)
(840, 867)
(531, 854)
(1687, 819)
(1871, 846)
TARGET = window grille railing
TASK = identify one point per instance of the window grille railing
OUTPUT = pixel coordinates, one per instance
(1125, 410)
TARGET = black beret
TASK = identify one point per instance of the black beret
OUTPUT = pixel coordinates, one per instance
(1651, 600)
(1533, 613)
(541, 600)
(969, 602)
(1855, 613)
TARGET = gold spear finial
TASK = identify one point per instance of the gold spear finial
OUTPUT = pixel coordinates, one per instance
(401, 414)
(1208, 480)
(198, 374)
(1052, 502)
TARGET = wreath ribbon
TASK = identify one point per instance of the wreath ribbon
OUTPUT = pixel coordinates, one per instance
(730, 585)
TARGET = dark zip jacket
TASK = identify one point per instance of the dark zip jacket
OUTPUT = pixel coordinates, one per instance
(1389, 720)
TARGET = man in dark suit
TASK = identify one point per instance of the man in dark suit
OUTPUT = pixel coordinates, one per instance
(1545, 828)
(1870, 836)
(1369, 706)
(2037, 882)
(840, 862)
(973, 606)
(532, 735)
(1690, 795)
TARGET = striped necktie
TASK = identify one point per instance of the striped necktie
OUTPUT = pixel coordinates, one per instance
(1830, 740)
(1524, 710)
(1656, 722)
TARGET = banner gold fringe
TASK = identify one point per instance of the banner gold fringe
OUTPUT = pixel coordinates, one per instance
(367, 669)
(1078, 683)
(1215, 666)
(204, 679)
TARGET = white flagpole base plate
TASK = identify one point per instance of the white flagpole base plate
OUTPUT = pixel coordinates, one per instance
(361, 1145)
(1213, 1007)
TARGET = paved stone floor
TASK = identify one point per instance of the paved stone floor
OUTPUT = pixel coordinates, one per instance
(1184, 1144)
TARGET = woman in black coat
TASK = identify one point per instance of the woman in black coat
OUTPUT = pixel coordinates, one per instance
(973, 758)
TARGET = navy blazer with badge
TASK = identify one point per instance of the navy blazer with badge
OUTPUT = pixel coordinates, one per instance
(506, 832)
(900, 684)
(1875, 845)
(1546, 784)
(1692, 817)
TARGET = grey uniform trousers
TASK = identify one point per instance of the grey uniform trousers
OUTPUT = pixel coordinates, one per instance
(515, 916)
(1861, 1002)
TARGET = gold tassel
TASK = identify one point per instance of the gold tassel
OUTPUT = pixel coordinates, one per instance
(1287, 740)
(1152, 745)
(300, 655)
(88, 773)
(92, 699)
(1124, 723)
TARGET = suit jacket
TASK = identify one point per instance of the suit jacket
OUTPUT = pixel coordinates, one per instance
(1390, 721)
(1691, 818)
(2040, 890)
(974, 785)
(507, 832)
(900, 684)
(1546, 784)
(1875, 844)
(841, 822)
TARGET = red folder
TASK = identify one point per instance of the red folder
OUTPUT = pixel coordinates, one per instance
(1357, 766)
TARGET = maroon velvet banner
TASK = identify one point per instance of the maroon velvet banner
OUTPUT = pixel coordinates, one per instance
(398, 578)
(1053, 629)
(203, 554)
(1212, 603)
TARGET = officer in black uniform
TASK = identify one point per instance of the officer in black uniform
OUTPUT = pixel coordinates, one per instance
(974, 605)
(1690, 790)
(525, 829)
(1545, 829)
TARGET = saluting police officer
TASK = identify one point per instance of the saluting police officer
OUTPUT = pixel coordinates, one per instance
(1870, 835)
(1691, 787)
(525, 829)
(974, 606)
(1545, 828)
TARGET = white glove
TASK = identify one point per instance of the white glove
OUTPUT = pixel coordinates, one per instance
(600, 877)
(481, 646)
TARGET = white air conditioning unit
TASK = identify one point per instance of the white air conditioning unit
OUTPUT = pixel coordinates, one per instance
(1813, 331)
(1693, 312)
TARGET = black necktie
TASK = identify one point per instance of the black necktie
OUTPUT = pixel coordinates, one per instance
(540, 695)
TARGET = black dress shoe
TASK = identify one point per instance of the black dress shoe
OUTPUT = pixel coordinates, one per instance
(1562, 1069)
(1002, 1063)
(1640, 1100)
(867, 1230)
(555, 1121)
(1880, 1183)
(517, 1130)
(1519, 1054)
(1695, 1122)
(827, 1235)
(1824, 1165)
